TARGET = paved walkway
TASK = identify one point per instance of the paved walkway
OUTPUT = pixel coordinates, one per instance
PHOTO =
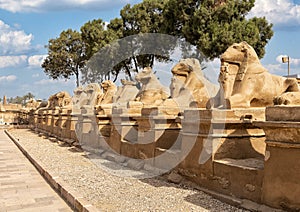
(22, 188)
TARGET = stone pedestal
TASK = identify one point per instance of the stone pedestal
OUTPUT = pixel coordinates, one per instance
(104, 130)
(66, 123)
(281, 187)
(56, 129)
(149, 136)
(87, 128)
(39, 119)
(224, 151)
(124, 132)
(158, 139)
(48, 121)
(73, 133)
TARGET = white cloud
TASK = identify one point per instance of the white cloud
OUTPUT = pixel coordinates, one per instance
(279, 12)
(8, 78)
(35, 75)
(47, 5)
(293, 61)
(12, 61)
(13, 41)
(36, 60)
(52, 82)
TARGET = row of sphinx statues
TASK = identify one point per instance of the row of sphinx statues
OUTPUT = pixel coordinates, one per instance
(243, 83)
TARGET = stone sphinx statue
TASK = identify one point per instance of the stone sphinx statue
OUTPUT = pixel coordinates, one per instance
(152, 92)
(59, 100)
(245, 82)
(104, 103)
(92, 94)
(109, 90)
(33, 104)
(188, 86)
(125, 93)
(77, 96)
(86, 97)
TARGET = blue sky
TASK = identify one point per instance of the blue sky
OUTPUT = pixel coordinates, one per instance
(27, 25)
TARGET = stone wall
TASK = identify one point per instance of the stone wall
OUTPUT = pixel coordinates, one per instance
(12, 114)
(222, 150)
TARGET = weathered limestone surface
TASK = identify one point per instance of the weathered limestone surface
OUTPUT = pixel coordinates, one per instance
(125, 93)
(290, 98)
(189, 84)
(189, 88)
(281, 188)
(246, 83)
(152, 92)
(60, 99)
(104, 104)
(33, 104)
(224, 151)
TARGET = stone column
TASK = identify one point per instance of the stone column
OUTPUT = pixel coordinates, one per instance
(281, 184)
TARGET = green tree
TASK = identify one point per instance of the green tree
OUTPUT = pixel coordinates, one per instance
(93, 34)
(28, 96)
(96, 36)
(212, 26)
(145, 17)
(66, 56)
(17, 100)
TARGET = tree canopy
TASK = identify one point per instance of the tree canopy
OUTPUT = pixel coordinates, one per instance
(210, 25)
(66, 56)
(215, 25)
(21, 99)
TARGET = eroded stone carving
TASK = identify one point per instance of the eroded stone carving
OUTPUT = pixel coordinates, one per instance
(152, 91)
(77, 96)
(104, 104)
(246, 83)
(189, 86)
(290, 98)
(33, 104)
(125, 93)
(59, 100)
(86, 97)
(109, 90)
(91, 95)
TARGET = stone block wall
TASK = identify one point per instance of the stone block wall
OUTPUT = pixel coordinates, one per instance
(281, 187)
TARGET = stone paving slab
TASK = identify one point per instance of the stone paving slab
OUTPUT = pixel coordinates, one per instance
(22, 188)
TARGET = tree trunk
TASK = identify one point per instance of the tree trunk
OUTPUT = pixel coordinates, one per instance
(77, 78)
(135, 64)
(116, 77)
(152, 60)
(128, 72)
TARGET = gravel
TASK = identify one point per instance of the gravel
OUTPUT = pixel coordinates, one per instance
(109, 192)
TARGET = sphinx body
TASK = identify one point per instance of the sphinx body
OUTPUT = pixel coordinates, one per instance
(125, 93)
(152, 92)
(104, 102)
(246, 83)
(189, 87)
